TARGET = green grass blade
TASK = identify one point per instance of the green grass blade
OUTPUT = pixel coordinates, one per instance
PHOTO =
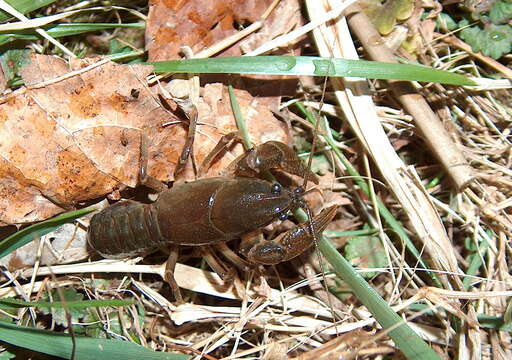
(59, 344)
(239, 118)
(338, 233)
(32, 232)
(312, 66)
(412, 346)
(476, 261)
(10, 303)
(24, 6)
(410, 343)
(61, 30)
(388, 217)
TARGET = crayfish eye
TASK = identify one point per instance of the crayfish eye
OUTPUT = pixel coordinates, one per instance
(283, 216)
(299, 190)
(276, 189)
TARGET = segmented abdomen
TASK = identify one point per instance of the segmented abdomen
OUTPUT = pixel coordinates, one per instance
(127, 228)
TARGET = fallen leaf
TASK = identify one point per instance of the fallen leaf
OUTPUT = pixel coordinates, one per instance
(79, 138)
(200, 24)
(62, 142)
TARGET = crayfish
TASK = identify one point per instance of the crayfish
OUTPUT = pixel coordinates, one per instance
(213, 210)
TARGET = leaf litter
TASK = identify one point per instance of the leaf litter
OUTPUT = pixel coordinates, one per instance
(466, 218)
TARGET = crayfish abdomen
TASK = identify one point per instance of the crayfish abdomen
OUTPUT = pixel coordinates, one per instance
(124, 229)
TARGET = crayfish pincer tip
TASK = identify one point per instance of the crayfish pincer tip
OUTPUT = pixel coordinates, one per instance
(268, 253)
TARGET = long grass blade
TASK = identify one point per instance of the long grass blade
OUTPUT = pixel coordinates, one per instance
(59, 344)
(312, 66)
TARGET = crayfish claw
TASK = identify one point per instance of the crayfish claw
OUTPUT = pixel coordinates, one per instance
(271, 155)
(293, 242)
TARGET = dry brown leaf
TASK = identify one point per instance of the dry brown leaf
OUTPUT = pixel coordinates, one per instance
(79, 138)
(216, 119)
(283, 19)
(200, 24)
(72, 140)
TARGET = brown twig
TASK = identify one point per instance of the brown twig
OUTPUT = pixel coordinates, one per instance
(435, 134)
